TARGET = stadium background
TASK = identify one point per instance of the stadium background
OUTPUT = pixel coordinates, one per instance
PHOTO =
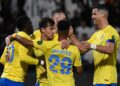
(78, 12)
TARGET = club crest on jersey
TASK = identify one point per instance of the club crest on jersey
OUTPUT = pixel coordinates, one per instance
(113, 37)
(39, 42)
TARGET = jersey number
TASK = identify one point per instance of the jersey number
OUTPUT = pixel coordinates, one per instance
(65, 68)
(10, 53)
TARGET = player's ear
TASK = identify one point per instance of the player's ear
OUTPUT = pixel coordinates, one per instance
(42, 29)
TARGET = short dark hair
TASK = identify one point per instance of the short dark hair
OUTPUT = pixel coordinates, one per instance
(101, 7)
(63, 26)
(21, 22)
(45, 22)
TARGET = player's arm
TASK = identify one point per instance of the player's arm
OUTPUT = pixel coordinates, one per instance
(76, 42)
(79, 69)
(30, 60)
(77, 61)
(23, 41)
(107, 49)
(3, 59)
(27, 58)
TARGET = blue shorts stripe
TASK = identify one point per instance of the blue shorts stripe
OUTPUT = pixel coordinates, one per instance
(37, 84)
(7, 82)
(114, 84)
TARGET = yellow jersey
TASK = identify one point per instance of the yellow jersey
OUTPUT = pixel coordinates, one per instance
(59, 62)
(15, 66)
(40, 71)
(2, 59)
(105, 64)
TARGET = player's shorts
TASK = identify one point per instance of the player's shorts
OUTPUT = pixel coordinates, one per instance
(106, 84)
(7, 82)
(37, 84)
(41, 84)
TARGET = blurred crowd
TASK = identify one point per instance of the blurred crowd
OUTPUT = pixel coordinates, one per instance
(77, 11)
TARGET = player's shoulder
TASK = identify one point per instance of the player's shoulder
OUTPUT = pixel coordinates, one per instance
(52, 43)
(23, 34)
(73, 47)
(112, 30)
(37, 32)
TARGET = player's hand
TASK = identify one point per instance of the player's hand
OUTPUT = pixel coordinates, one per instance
(7, 40)
(42, 61)
(65, 44)
(85, 44)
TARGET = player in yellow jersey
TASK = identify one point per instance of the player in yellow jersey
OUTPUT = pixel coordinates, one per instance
(59, 62)
(104, 44)
(42, 35)
(57, 15)
(15, 57)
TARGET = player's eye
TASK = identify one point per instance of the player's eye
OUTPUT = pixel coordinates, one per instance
(93, 13)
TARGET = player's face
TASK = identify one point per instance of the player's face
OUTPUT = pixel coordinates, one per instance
(58, 17)
(49, 32)
(61, 17)
(96, 16)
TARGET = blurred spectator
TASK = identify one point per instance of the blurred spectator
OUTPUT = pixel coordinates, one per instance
(114, 9)
(83, 31)
(37, 9)
(76, 19)
(88, 57)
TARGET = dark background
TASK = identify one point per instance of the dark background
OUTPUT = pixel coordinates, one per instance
(78, 12)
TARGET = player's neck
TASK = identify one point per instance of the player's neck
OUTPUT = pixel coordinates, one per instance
(43, 37)
(25, 30)
(103, 24)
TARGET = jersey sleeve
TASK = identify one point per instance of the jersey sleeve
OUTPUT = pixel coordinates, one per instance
(2, 59)
(36, 34)
(24, 52)
(41, 45)
(77, 61)
(111, 38)
(23, 34)
(26, 58)
(38, 52)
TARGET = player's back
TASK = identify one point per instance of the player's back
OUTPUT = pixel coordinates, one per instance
(60, 64)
